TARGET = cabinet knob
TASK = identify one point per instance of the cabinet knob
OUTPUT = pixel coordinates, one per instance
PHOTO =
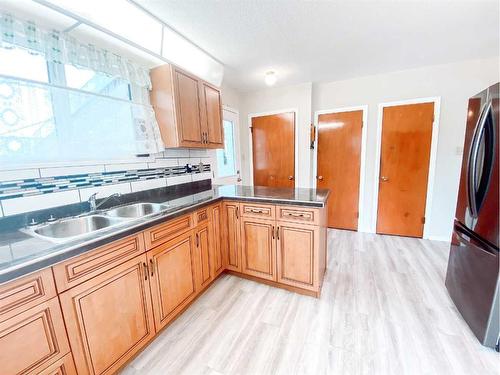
(320, 178)
(291, 177)
(384, 178)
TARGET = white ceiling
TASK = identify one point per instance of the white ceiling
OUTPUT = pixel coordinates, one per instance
(311, 41)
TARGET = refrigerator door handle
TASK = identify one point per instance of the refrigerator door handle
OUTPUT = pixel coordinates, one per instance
(468, 240)
(473, 155)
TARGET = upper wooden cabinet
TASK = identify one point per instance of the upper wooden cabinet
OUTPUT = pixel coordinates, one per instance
(188, 109)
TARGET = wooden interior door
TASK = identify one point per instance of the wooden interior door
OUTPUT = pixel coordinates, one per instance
(109, 318)
(258, 248)
(339, 160)
(273, 144)
(404, 169)
(173, 283)
(188, 109)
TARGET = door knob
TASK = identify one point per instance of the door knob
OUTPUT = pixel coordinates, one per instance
(290, 177)
(320, 178)
(384, 179)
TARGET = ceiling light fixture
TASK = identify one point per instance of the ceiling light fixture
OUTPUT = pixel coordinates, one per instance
(270, 78)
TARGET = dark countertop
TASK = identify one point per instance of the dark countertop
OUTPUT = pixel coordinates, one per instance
(21, 253)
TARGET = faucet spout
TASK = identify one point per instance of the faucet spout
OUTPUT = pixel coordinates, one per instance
(93, 203)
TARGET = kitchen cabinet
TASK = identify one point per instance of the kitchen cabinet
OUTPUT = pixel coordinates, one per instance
(211, 110)
(173, 273)
(33, 339)
(298, 255)
(188, 110)
(63, 366)
(109, 318)
(231, 236)
(258, 248)
(218, 257)
(203, 241)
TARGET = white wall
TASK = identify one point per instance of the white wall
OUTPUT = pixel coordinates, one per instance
(296, 97)
(454, 83)
(230, 96)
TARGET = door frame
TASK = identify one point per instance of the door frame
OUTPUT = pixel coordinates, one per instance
(295, 146)
(237, 150)
(362, 165)
(432, 160)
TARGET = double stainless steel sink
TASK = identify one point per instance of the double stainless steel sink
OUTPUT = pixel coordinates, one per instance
(72, 228)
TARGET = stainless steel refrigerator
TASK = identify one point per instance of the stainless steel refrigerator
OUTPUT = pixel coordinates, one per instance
(473, 264)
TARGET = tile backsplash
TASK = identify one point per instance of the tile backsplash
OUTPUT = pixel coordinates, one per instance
(24, 190)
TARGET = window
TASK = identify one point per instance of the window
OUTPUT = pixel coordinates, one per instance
(50, 112)
(226, 165)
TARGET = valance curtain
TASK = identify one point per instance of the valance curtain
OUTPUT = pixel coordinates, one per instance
(61, 48)
(108, 118)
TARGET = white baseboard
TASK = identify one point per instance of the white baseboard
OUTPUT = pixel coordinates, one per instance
(439, 238)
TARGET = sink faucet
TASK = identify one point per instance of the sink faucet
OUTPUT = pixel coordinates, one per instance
(93, 204)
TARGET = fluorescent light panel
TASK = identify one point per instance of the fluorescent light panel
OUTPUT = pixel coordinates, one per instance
(120, 17)
(186, 55)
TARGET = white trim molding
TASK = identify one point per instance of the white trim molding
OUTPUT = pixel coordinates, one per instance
(362, 167)
(296, 141)
(432, 161)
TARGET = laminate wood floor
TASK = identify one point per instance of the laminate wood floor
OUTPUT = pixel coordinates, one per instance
(384, 309)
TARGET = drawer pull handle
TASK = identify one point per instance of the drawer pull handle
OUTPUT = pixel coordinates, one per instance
(295, 215)
(152, 267)
(278, 233)
(256, 211)
(145, 270)
(272, 231)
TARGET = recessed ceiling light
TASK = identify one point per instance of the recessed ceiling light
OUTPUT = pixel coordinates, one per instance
(270, 78)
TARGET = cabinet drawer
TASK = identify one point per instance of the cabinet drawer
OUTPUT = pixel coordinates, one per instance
(265, 211)
(82, 268)
(19, 295)
(201, 216)
(166, 231)
(299, 214)
(63, 366)
(33, 339)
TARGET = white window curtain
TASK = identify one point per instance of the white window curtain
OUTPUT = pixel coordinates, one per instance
(89, 104)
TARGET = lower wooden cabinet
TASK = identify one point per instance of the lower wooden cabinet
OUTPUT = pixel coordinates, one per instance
(258, 248)
(63, 366)
(109, 317)
(231, 236)
(33, 339)
(203, 241)
(173, 272)
(218, 257)
(298, 255)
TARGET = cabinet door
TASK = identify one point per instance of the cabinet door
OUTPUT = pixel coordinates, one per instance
(63, 366)
(173, 284)
(188, 109)
(33, 339)
(297, 255)
(212, 119)
(231, 239)
(218, 259)
(258, 248)
(203, 262)
(109, 317)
